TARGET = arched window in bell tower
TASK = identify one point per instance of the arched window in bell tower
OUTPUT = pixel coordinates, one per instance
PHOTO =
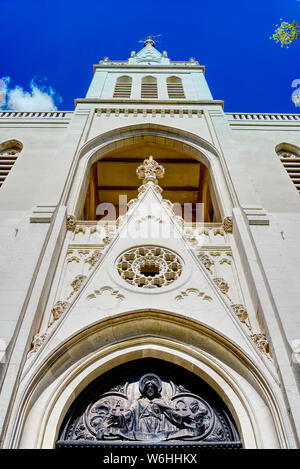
(290, 158)
(187, 183)
(175, 88)
(123, 87)
(9, 152)
(149, 87)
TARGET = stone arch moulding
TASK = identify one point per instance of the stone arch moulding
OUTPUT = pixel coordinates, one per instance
(11, 144)
(288, 147)
(197, 147)
(9, 152)
(53, 383)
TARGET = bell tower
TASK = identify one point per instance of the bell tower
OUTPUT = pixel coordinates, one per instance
(149, 75)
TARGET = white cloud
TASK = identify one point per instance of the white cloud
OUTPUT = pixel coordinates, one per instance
(39, 98)
(20, 100)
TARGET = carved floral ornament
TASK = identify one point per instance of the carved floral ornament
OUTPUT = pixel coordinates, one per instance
(228, 225)
(76, 284)
(150, 171)
(71, 222)
(262, 343)
(240, 311)
(37, 341)
(58, 309)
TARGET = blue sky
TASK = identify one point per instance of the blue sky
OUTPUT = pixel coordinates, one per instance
(56, 42)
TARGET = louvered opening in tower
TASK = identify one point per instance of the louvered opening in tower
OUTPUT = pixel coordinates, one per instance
(291, 164)
(149, 88)
(123, 87)
(175, 88)
(8, 158)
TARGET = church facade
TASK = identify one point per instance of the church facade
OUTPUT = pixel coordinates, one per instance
(150, 274)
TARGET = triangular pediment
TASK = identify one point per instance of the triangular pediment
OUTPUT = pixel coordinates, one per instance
(122, 279)
(150, 55)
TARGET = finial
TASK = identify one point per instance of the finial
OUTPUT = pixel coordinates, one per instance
(149, 40)
(150, 171)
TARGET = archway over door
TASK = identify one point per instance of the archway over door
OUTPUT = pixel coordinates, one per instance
(55, 382)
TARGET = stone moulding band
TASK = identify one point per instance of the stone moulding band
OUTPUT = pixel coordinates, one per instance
(152, 112)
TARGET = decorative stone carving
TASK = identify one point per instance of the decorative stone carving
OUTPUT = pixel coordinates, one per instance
(149, 266)
(228, 224)
(150, 171)
(37, 341)
(108, 238)
(110, 298)
(222, 285)
(191, 297)
(71, 223)
(168, 205)
(150, 410)
(190, 237)
(241, 313)
(94, 258)
(224, 260)
(131, 204)
(83, 252)
(206, 261)
(80, 229)
(148, 218)
(218, 231)
(58, 309)
(262, 342)
(76, 284)
(204, 231)
(71, 258)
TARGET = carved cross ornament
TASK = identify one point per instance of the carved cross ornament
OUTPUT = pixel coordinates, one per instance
(150, 171)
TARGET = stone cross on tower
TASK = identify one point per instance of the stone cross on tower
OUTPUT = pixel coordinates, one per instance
(150, 171)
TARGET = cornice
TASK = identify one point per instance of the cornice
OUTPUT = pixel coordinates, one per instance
(145, 66)
(152, 101)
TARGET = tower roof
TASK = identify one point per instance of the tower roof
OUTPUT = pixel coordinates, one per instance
(148, 55)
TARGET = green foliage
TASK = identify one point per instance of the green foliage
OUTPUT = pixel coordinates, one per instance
(286, 33)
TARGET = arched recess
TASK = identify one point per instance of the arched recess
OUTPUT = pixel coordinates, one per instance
(123, 87)
(9, 152)
(54, 381)
(149, 87)
(289, 155)
(175, 88)
(151, 137)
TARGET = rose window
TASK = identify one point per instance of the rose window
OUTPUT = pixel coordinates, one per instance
(149, 267)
